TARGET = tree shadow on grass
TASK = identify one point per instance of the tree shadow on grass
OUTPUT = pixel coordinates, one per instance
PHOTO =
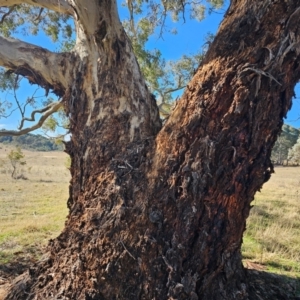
(19, 262)
(11, 271)
(270, 286)
(14, 268)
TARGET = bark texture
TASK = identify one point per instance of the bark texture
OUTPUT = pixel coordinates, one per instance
(160, 213)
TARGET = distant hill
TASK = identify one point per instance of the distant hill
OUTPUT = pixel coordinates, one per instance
(37, 142)
(285, 141)
(30, 141)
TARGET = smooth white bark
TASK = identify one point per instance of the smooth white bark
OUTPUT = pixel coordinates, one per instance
(90, 14)
(17, 55)
(61, 6)
(99, 36)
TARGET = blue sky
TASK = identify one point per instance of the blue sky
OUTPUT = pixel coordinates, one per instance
(190, 38)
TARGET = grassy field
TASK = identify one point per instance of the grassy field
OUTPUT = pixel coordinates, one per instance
(272, 238)
(34, 210)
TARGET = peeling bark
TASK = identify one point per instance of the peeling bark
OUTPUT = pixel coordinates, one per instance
(160, 213)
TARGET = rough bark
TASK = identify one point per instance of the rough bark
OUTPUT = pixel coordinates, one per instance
(160, 214)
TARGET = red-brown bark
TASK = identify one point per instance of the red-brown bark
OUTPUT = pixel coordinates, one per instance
(160, 214)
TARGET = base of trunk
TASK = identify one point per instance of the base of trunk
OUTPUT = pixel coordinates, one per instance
(261, 286)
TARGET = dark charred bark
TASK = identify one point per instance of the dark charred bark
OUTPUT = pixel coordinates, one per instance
(161, 215)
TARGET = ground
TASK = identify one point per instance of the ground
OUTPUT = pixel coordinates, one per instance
(34, 210)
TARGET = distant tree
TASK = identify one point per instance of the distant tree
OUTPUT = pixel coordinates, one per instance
(32, 142)
(294, 153)
(17, 159)
(286, 140)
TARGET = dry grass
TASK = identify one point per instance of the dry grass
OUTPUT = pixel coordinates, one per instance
(272, 237)
(33, 211)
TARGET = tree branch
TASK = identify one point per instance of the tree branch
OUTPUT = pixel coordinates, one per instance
(38, 65)
(175, 89)
(61, 6)
(47, 111)
(38, 18)
(7, 14)
(38, 111)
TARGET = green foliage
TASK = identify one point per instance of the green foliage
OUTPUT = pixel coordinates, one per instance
(294, 153)
(30, 20)
(285, 141)
(17, 159)
(67, 45)
(158, 12)
(8, 80)
(4, 106)
(163, 78)
(50, 124)
(68, 162)
(177, 74)
(16, 156)
(56, 120)
(27, 19)
(216, 3)
(146, 18)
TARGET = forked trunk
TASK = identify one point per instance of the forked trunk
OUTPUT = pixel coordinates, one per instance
(160, 214)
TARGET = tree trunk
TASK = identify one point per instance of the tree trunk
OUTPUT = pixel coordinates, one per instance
(160, 213)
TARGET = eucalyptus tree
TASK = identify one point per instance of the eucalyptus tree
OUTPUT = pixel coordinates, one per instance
(17, 159)
(285, 142)
(158, 212)
(294, 153)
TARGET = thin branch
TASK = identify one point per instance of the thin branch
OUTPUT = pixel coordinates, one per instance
(7, 14)
(164, 93)
(47, 111)
(61, 6)
(131, 20)
(38, 18)
(294, 120)
(38, 111)
(164, 112)
(10, 113)
(174, 90)
(183, 11)
(17, 101)
(22, 107)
